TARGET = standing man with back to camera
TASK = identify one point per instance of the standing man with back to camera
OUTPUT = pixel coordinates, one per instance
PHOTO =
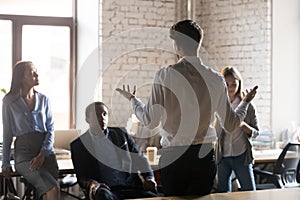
(186, 98)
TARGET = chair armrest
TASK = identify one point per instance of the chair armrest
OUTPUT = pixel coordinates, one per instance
(271, 177)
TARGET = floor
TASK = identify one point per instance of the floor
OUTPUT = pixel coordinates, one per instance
(67, 197)
(75, 190)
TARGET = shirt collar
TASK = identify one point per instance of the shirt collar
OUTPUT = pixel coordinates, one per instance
(190, 59)
(106, 133)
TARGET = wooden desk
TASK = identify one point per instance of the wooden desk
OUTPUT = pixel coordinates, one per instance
(65, 166)
(275, 194)
(64, 161)
(260, 156)
(271, 155)
(266, 156)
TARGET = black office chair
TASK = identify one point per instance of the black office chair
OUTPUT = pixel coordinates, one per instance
(298, 172)
(30, 191)
(8, 190)
(284, 170)
(65, 181)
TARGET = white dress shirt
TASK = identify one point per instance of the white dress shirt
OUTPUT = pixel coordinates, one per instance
(185, 100)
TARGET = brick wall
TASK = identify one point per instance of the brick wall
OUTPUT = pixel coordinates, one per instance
(135, 44)
(238, 33)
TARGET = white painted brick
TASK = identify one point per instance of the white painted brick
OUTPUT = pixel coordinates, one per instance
(240, 46)
(142, 60)
(132, 60)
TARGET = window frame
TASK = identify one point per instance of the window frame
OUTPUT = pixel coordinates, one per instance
(18, 21)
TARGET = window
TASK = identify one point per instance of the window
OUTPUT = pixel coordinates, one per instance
(50, 54)
(49, 42)
(53, 8)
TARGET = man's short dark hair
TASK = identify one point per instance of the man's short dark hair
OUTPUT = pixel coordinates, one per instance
(187, 33)
(91, 108)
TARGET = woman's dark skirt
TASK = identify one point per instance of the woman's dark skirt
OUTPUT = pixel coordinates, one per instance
(26, 148)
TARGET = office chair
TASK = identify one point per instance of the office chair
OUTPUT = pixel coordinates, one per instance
(65, 182)
(30, 191)
(298, 172)
(8, 190)
(284, 169)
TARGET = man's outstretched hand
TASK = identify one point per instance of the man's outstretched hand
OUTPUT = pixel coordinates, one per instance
(126, 93)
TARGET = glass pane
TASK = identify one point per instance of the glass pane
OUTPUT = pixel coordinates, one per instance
(6, 60)
(48, 47)
(55, 8)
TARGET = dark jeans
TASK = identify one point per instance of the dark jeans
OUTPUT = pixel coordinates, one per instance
(244, 173)
(188, 172)
(122, 193)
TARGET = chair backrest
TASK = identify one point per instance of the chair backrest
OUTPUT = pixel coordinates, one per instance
(63, 138)
(287, 162)
(298, 172)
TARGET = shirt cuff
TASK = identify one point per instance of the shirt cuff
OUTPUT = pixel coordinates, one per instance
(244, 104)
(150, 178)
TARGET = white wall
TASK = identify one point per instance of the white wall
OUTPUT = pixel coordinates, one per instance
(88, 57)
(286, 64)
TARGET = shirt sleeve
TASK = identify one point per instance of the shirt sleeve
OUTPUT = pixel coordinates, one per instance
(148, 113)
(7, 134)
(231, 119)
(47, 146)
(81, 164)
(252, 120)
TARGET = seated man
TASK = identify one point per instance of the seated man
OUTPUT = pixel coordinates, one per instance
(107, 161)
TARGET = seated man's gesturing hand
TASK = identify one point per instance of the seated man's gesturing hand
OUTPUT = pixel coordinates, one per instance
(149, 184)
(127, 94)
(94, 187)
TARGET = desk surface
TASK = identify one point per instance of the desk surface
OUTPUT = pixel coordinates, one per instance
(275, 194)
(65, 164)
(263, 156)
(271, 155)
(266, 156)
(260, 156)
